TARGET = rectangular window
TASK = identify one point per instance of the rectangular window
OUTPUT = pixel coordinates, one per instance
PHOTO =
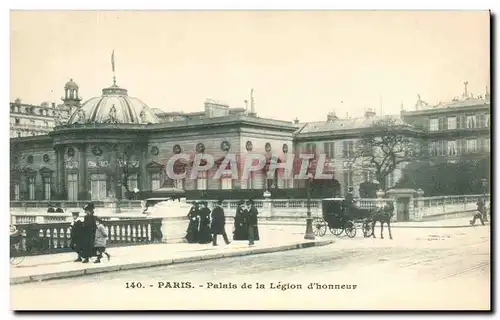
(452, 148)
(155, 181)
(443, 148)
(487, 145)
(311, 148)
(434, 148)
(31, 188)
(471, 145)
(442, 124)
(330, 150)
(201, 182)
(480, 120)
(226, 183)
(348, 149)
(487, 120)
(434, 125)
(98, 187)
(131, 182)
(179, 184)
(72, 186)
(471, 122)
(46, 188)
(452, 123)
(17, 190)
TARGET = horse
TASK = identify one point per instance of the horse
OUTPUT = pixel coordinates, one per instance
(384, 215)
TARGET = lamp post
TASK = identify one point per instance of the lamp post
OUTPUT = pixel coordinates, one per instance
(485, 184)
(309, 227)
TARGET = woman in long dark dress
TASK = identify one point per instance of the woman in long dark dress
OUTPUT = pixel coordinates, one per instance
(240, 231)
(204, 234)
(194, 221)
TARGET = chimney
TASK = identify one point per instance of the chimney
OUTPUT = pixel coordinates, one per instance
(331, 117)
(17, 101)
(369, 113)
(53, 104)
(296, 121)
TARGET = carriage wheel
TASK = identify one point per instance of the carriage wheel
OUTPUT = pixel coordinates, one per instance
(367, 229)
(319, 227)
(336, 231)
(350, 229)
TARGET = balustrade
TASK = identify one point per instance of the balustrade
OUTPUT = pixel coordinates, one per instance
(45, 238)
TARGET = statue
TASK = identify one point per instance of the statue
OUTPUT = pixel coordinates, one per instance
(112, 114)
(81, 116)
(142, 115)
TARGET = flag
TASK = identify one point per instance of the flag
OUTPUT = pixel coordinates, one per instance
(113, 60)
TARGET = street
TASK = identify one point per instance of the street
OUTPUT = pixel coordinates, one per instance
(446, 268)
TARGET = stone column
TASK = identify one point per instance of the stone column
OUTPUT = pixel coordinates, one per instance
(143, 172)
(114, 170)
(82, 169)
(60, 170)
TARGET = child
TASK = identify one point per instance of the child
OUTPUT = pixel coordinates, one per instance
(100, 241)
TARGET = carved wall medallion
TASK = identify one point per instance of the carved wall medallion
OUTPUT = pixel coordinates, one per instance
(200, 148)
(46, 158)
(155, 151)
(71, 152)
(225, 146)
(268, 147)
(249, 146)
(97, 151)
(285, 148)
(177, 149)
(30, 159)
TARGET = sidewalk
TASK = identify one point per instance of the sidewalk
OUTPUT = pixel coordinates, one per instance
(462, 222)
(61, 265)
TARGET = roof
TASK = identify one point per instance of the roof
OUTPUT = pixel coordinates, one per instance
(345, 124)
(114, 106)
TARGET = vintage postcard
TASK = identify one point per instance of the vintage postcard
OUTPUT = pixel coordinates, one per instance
(250, 160)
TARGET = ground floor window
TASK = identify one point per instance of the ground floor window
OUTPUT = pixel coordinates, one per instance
(46, 188)
(348, 180)
(259, 180)
(155, 181)
(201, 182)
(226, 183)
(17, 190)
(131, 182)
(31, 188)
(98, 186)
(72, 186)
(178, 183)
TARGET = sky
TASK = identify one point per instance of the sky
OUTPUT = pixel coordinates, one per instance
(301, 64)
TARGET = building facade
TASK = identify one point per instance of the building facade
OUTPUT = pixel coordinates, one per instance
(115, 143)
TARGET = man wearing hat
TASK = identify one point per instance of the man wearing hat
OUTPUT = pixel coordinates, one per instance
(218, 223)
(88, 232)
(252, 220)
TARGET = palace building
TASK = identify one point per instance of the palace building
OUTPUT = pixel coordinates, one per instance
(114, 143)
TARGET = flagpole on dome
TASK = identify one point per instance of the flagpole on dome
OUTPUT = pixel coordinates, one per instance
(113, 67)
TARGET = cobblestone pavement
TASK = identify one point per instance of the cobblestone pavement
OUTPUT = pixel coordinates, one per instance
(419, 269)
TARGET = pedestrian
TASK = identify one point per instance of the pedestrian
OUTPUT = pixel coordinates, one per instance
(101, 236)
(479, 214)
(240, 229)
(194, 221)
(88, 232)
(252, 222)
(204, 234)
(77, 235)
(219, 223)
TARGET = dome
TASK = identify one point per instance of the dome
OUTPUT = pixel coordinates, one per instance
(114, 106)
(71, 84)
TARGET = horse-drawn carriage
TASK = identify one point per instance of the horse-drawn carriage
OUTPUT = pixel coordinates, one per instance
(339, 217)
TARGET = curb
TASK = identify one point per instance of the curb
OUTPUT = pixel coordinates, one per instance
(392, 225)
(165, 262)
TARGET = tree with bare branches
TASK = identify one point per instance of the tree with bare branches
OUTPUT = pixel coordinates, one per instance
(384, 146)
